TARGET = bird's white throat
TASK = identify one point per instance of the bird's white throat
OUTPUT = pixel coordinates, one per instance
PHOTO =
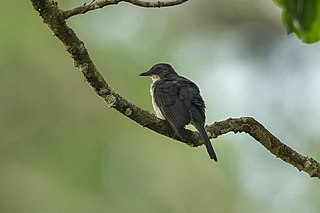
(155, 78)
(154, 105)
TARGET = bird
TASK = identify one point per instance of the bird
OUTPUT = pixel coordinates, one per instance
(178, 100)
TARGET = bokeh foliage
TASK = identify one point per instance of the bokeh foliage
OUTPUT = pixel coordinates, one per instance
(302, 17)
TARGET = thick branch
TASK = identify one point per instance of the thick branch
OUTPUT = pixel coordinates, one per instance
(100, 4)
(55, 19)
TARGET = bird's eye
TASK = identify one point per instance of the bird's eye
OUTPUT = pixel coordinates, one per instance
(157, 69)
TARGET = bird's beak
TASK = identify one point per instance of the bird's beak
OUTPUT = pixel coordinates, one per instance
(145, 73)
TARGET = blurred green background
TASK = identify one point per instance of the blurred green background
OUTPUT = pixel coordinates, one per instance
(63, 150)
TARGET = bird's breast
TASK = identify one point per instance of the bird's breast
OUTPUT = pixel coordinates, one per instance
(154, 104)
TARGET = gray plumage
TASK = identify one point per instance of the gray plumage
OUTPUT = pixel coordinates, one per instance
(177, 100)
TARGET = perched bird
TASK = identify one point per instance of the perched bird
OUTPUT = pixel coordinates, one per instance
(177, 100)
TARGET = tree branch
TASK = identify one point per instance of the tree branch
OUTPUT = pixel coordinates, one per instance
(270, 142)
(100, 4)
(54, 17)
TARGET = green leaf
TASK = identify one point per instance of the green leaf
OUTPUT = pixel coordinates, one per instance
(302, 17)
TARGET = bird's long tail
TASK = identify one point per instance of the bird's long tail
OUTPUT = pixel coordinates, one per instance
(181, 133)
(207, 142)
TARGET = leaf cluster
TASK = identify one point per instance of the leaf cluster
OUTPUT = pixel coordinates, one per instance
(302, 17)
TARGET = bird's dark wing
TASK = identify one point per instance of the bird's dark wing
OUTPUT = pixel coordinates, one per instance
(173, 108)
(180, 103)
(190, 95)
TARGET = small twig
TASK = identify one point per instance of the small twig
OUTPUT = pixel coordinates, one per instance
(84, 6)
(100, 4)
(54, 18)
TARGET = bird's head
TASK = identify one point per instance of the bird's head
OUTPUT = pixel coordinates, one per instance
(160, 71)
